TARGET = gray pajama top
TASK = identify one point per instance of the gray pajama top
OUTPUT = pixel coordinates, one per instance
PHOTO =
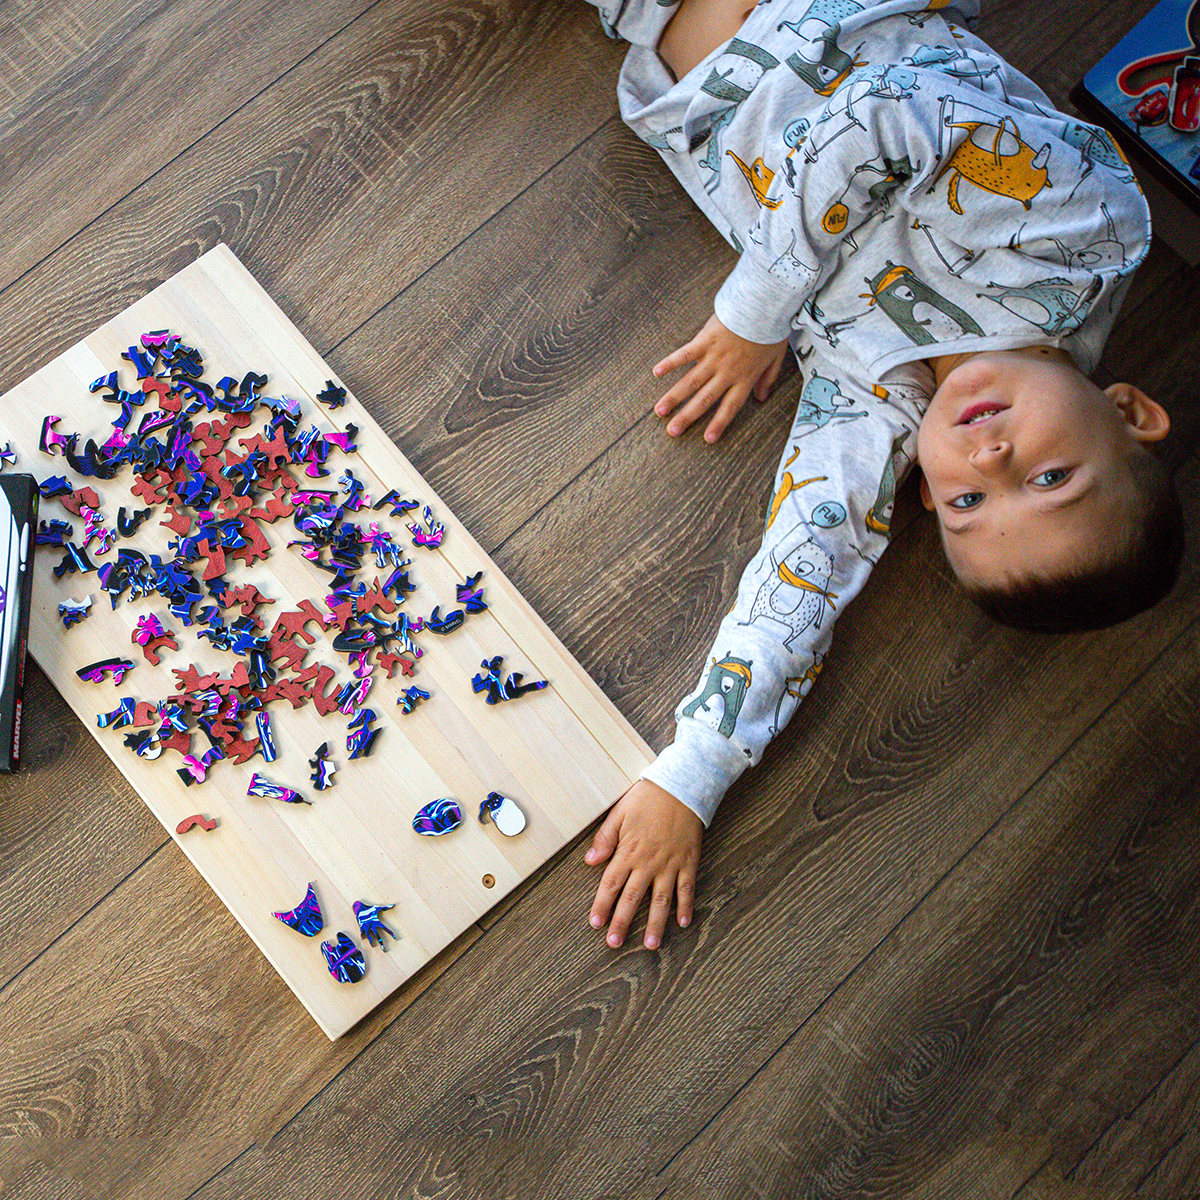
(895, 191)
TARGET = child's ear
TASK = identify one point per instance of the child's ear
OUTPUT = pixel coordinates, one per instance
(1146, 419)
(926, 497)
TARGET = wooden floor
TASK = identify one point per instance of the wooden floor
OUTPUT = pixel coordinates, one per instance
(948, 939)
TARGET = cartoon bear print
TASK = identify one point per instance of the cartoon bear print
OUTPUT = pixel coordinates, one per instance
(721, 698)
(797, 590)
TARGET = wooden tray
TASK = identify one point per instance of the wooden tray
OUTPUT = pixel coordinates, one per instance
(563, 754)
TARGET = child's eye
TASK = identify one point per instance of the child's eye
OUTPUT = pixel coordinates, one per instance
(967, 500)
(1051, 477)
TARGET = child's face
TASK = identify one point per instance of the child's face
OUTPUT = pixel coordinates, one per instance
(1027, 463)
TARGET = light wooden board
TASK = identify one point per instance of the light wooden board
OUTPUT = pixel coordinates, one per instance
(563, 754)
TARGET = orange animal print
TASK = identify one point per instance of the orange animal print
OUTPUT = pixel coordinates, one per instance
(994, 158)
(760, 177)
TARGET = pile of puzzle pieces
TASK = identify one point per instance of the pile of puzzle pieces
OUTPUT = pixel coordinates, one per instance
(215, 491)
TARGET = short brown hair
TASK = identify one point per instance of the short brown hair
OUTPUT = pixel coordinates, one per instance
(1142, 572)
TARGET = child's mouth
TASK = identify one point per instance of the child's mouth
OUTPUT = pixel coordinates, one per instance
(978, 413)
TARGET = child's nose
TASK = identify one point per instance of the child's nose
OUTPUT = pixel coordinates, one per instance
(991, 456)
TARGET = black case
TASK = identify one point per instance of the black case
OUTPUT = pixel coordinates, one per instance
(18, 529)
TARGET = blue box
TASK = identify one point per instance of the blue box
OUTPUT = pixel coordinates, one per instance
(1146, 92)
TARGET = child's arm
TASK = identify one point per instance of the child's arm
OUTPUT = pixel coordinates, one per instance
(727, 369)
(827, 521)
(651, 842)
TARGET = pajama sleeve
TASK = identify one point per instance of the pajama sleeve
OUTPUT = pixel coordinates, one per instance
(639, 22)
(827, 521)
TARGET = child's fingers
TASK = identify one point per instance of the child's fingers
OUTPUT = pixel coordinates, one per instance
(729, 408)
(685, 895)
(686, 353)
(611, 883)
(605, 839)
(660, 909)
(684, 389)
(766, 381)
(626, 910)
(696, 407)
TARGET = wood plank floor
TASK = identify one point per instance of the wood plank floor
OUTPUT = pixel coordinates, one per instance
(948, 936)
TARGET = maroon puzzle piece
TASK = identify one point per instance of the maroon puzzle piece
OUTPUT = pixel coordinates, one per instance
(286, 651)
(277, 505)
(150, 650)
(75, 500)
(389, 662)
(178, 740)
(180, 520)
(294, 622)
(187, 823)
(375, 597)
(249, 597)
(256, 546)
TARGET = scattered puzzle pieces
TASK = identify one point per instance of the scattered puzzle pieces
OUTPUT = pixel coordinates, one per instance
(306, 917)
(260, 786)
(74, 611)
(438, 818)
(211, 494)
(410, 698)
(205, 823)
(345, 959)
(114, 668)
(152, 637)
(369, 924)
(332, 395)
(361, 741)
(322, 768)
(505, 814)
(430, 534)
(498, 688)
(195, 767)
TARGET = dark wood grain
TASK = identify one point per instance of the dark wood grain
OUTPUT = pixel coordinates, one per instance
(1045, 37)
(947, 941)
(366, 163)
(1040, 991)
(62, 850)
(1057, 63)
(1151, 1147)
(38, 40)
(156, 77)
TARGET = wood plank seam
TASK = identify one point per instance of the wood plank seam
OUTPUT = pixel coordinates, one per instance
(231, 1163)
(1117, 1120)
(1188, 633)
(188, 148)
(1036, 1172)
(465, 241)
(6, 984)
(1159, 1161)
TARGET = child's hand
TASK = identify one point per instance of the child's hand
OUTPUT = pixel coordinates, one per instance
(727, 369)
(656, 840)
